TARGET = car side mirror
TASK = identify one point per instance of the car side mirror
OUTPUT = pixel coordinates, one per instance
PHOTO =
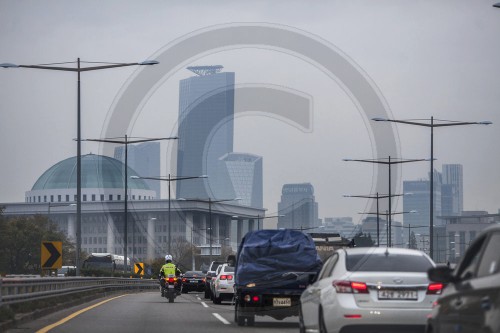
(442, 274)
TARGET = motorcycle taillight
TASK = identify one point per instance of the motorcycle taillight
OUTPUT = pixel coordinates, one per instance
(171, 280)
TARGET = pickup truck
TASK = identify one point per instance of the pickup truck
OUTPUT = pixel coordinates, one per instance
(273, 268)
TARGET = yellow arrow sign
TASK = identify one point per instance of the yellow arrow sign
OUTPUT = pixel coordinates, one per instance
(139, 268)
(51, 255)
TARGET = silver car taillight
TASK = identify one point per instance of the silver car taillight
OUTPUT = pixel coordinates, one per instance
(350, 287)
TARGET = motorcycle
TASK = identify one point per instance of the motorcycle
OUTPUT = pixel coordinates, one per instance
(169, 288)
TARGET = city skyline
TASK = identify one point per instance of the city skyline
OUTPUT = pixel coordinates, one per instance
(426, 59)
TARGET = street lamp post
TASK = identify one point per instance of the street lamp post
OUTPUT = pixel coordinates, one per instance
(126, 141)
(78, 69)
(389, 163)
(431, 124)
(377, 197)
(170, 179)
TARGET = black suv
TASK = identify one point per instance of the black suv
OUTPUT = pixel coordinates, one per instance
(471, 301)
(211, 275)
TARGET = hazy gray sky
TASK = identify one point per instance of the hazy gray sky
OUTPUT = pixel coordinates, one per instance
(427, 58)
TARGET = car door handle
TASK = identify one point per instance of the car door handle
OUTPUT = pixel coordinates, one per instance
(486, 303)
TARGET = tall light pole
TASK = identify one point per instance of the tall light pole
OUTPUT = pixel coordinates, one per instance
(78, 69)
(125, 140)
(377, 197)
(170, 179)
(432, 124)
(389, 163)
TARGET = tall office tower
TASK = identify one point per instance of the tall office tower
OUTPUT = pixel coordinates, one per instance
(419, 201)
(453, 190)
(298, 206)
(143, 158)
(245, 173)
(206, 126)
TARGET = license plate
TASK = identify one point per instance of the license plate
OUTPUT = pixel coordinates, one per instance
(281, 302)
(397, 294)
(171, 286)
(193, 281)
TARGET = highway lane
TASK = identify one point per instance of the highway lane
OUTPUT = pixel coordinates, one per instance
(149, 312)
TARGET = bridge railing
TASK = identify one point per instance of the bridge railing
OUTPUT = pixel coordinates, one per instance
(22, 289)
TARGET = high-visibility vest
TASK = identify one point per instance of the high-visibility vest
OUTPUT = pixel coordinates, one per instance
(168, 269)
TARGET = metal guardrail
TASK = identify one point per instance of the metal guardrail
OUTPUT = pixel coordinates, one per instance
(21, 289)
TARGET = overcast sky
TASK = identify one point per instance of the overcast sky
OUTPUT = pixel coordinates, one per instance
(425, 58)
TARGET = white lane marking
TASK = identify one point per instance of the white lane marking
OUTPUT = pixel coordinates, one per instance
(204, 304)
(199, 299)
(224, 321)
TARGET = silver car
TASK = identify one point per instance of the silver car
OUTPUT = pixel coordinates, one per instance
(374, 289)
(223, 285)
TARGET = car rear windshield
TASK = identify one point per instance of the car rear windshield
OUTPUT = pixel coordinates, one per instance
(194, 273)
(228, 269)
(392, 262)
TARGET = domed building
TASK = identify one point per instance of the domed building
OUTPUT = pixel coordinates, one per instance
(154, 226)
(102, 180)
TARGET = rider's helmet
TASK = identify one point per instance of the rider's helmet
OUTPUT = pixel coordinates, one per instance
(168, 258)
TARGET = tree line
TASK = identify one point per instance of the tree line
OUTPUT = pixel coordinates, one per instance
(20, 243)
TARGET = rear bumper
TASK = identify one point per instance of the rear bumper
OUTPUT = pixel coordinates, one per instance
(265, 305)
(346, 317)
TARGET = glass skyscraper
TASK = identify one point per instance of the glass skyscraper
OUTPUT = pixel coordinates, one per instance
(245, 173)
(206, 128)
(453, 190)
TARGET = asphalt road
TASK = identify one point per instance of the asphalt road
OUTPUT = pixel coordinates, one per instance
(150, 313)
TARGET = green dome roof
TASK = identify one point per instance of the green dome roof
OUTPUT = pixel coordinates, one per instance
(97, 172)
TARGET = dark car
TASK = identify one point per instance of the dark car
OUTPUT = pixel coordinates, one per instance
(193, 281)
(471, 300)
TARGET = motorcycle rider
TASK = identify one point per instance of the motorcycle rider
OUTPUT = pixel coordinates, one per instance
(167, 269)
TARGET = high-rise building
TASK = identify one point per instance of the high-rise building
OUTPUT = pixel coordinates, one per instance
(419, 200)
(298, 207)
(453, 190)
(206, 126)
(143, 158)
(245, 173)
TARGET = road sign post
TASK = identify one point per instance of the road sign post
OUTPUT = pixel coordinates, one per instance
(139, 268)
(51, 255)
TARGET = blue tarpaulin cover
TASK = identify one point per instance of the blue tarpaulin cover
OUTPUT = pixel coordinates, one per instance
(275, 258)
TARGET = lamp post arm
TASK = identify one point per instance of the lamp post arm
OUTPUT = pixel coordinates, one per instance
(432, 124)
(81, 69)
